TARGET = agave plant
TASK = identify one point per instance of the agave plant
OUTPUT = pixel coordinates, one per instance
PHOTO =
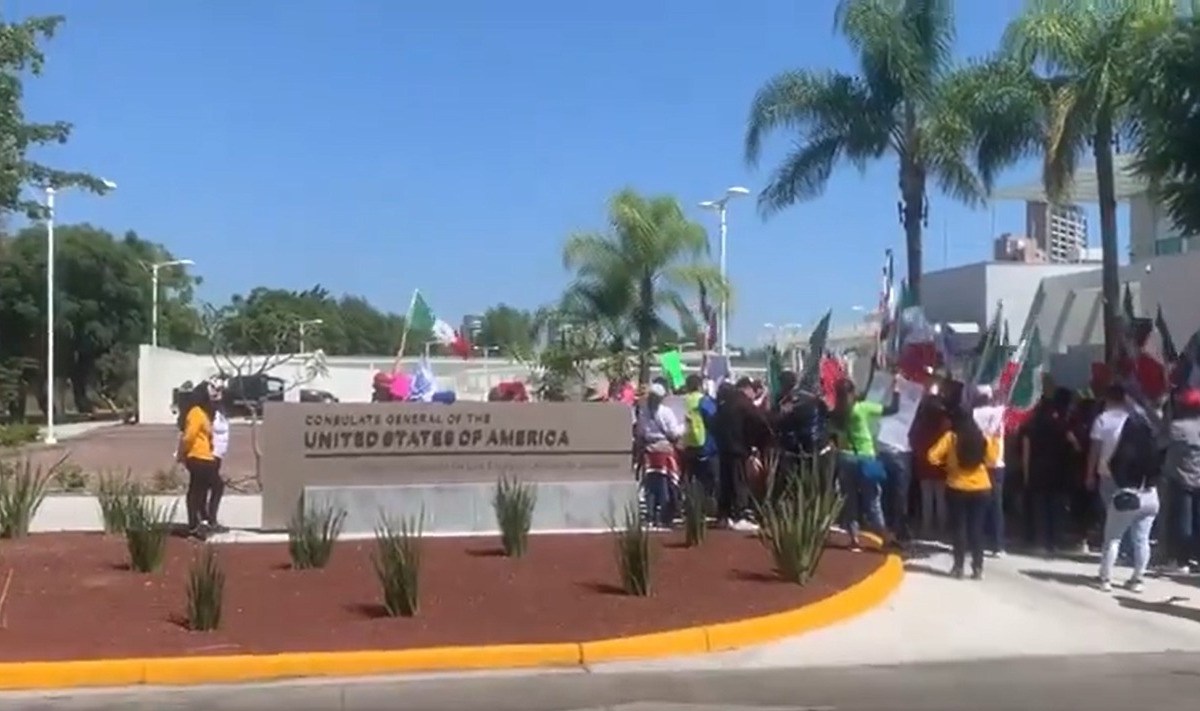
(22, 491)
(794, 524)
(397, 562)
(312, 533)
(514, 502)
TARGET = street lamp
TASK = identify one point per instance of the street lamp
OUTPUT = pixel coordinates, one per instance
(154, 298)
(719, 207)
(50, 192)
(303, 325)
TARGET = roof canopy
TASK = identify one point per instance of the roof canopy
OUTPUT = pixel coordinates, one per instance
(1084, 189)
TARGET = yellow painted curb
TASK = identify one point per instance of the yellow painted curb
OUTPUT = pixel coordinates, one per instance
(181, 671)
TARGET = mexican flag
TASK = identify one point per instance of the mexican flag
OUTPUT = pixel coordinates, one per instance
(991, 356)
(1021, 381)
(422, 318)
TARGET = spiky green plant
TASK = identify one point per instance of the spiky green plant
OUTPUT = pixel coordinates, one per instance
(312, 533)
(633, 551)
(22, 491)
(147, 529)
(794, 525)
(695, 513)
(397, 562)
(205, 591)
(514, 502)
(116, 494)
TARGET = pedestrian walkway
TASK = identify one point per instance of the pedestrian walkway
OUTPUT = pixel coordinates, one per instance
(1026, 606)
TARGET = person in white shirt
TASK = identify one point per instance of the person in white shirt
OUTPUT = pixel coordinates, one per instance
(220, 443)
(1106, 432)
(659, 429)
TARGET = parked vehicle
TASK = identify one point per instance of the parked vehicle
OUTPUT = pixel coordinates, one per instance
(245, 394)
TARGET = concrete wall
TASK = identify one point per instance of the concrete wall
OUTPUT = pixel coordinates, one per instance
(1069, 319)
(160, 370)
(970, 293)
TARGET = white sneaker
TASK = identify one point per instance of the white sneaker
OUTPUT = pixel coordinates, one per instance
(1135, 586)
(744, 526)
(1105, 586)
(997, 554)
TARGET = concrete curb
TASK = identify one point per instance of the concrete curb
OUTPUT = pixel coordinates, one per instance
(186, 671)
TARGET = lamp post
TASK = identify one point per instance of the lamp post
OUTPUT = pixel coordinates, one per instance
(154, 297)
(305, 324)
(50, 193)
(719, 207)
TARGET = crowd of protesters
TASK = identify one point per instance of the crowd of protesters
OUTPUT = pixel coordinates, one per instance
(1077, 473)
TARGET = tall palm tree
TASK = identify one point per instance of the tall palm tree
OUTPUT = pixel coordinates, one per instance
(899, 104)
(643, 265)
(1087, 51)
(1167, 120)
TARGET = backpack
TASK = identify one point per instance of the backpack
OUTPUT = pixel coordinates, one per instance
(696, 434)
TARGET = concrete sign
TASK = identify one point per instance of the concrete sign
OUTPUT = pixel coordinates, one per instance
(416, 444)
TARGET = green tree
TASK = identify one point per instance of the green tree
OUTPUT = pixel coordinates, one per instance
(21, 56)
(509, 329)
(1088, 52)
(102, 313)
(902, 103)
(650, 257)
(267, 321)
(1167, 120)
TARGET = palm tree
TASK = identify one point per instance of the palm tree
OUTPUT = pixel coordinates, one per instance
(1084, 54)
(1167, 120)
(649, 259)
(903, 102)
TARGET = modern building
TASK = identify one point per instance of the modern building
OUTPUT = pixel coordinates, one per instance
(971, 293)
(1017, 248)
(1059, 231)
(1151, 231)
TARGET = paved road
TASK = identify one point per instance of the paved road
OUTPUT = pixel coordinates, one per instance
(1158, 682)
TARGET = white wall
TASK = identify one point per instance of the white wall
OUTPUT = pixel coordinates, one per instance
(160, 370)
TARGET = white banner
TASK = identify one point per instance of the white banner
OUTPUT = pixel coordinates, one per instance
(893, 429)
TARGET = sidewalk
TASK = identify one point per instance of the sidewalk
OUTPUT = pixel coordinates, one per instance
(1025, 607)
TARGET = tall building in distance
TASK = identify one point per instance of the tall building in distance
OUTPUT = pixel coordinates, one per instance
(1017, 248)
(1059, 231)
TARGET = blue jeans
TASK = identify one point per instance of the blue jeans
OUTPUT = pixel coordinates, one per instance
(660, 498)
(1186, 522)
(898, 466)
(1137, 524)
(994, 519)
(864, 497)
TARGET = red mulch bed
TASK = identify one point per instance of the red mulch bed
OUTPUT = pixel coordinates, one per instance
(73, 597)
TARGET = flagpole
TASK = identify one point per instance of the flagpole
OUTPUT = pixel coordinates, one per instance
(404, 336)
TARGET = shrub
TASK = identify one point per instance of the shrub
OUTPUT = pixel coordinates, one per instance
(116, 494)
(514, 503)
(17, 433)
(312, 533)
(205, 591)
(794, 525)
(166, 481)
(397, 563)
(633, 551)
(22, 491)
(69, 477)
(695, 513)
(147, 529)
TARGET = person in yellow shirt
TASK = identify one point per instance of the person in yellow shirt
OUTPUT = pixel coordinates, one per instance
(966, 455)
(196, 453)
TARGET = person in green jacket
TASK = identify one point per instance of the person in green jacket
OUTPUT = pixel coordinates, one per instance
(860, 472)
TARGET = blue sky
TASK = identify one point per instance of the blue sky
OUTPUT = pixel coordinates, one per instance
(375, 147)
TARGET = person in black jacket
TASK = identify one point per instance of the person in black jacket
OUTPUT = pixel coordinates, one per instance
(739, 429)
(1133, 508)
(801, 418)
